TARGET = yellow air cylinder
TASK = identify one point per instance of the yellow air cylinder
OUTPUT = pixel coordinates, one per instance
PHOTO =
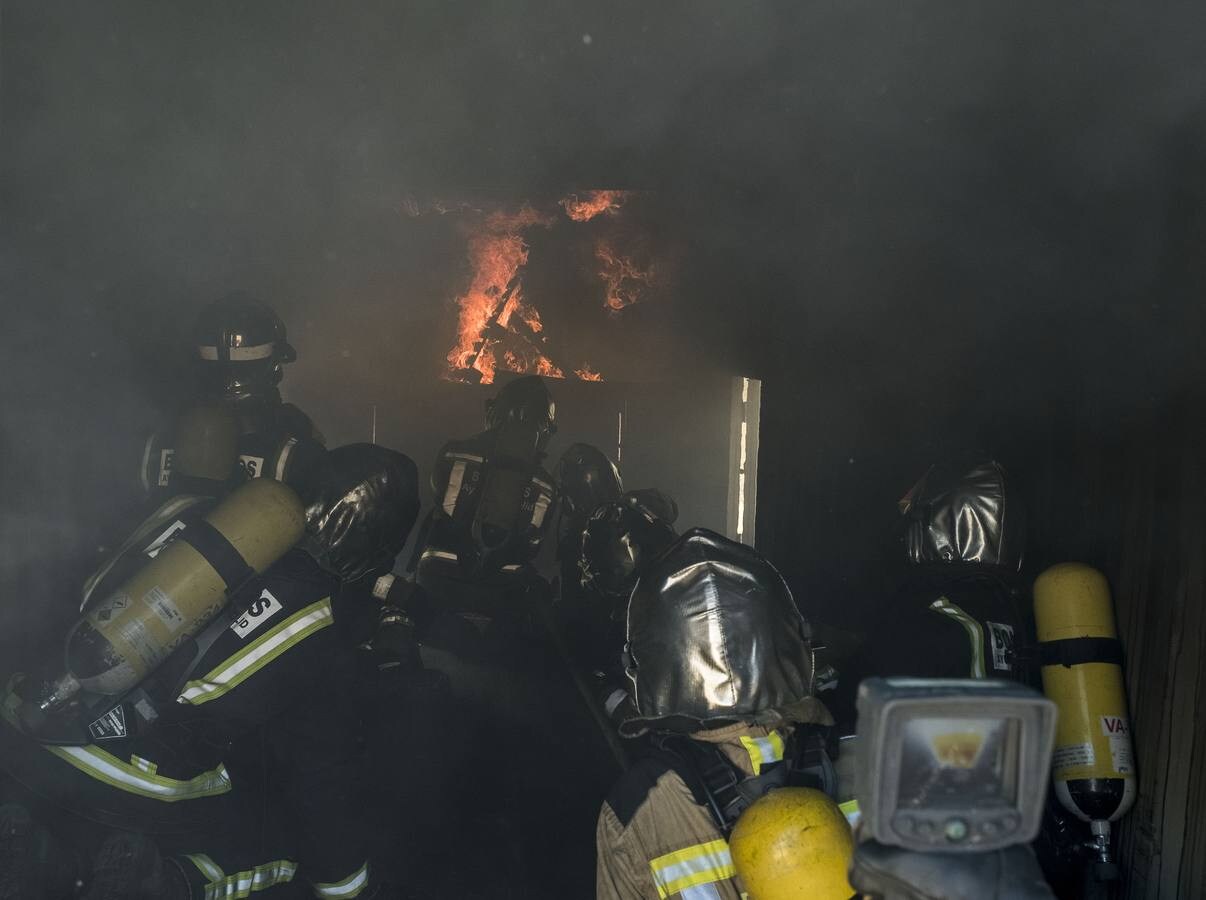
(207, 442)
(793, 844)
(1093, 766)
(175, 594)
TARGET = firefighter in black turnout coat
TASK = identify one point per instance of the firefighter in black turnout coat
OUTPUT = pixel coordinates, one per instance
(241, 778)
(494, 502)
(524, 747)
(241, 350)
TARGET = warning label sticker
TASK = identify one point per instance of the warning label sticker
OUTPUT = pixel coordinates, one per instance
(1118, 732)
(1073, 756)
(161, 604)
(1001, 637)
(110, 726)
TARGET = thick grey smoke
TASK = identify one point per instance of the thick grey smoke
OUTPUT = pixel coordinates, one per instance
(918, 222)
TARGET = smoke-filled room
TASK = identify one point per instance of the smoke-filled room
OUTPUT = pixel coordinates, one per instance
(514, 450)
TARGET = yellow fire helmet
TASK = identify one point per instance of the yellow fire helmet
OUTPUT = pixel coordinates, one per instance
(793, 844)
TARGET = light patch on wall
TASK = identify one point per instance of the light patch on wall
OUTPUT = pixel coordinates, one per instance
(743, 475)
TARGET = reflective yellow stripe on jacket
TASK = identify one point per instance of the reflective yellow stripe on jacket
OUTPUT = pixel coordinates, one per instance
(763, 750)
(687, 872)
(349, 887)
(242, 884)
(234, 670)
(139, 777)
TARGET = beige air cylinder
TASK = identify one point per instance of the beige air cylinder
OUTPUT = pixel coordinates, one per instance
(179, 591)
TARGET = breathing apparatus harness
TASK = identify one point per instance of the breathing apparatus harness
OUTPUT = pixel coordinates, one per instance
(726, 791)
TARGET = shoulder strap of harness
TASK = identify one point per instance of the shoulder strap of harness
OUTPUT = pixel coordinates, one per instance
(715, 783)
(726, 791)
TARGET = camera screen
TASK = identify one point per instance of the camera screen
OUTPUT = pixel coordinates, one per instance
(958, 763)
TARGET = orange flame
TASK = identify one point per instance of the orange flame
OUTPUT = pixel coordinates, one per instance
(497, 252)
(625, 279)
(586, 373)
(594, 203)
(496, 326)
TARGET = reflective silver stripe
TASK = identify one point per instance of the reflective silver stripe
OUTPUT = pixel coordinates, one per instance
(439, 554)
(382, 585)
(763, 750)
(282, 459)
(105, 767)
(455, 479)
(349, 887)
(206, 866)
(540, 509)
(511, 567)
(544, 484)
(233, 671)
(851, 811)
(701, 892)
(246, 883)
(692, 866)
(614, 699)
(975, 634)
(238, 354)
(144, 764)
(468, 457)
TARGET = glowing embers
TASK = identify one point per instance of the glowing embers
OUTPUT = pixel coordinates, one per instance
(498, 327)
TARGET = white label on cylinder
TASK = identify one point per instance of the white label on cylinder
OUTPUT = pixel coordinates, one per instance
(1118, 732)
(1073, 756)
(163, 607)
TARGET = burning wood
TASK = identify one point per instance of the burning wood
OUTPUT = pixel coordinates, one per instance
(496, 326)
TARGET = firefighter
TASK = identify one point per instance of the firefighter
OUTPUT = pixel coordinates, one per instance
(494, 504)
(516, 688)
(586, 478)
(205, 463)
(232, 769)
(720, 663)
(962, 610)
(241, 350)
(617, 542)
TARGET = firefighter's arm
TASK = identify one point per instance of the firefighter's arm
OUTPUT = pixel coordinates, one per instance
(621, 873)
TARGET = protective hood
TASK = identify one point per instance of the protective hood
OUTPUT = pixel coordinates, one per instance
(587, 478)
(715, 637)
(964, 514)
(361, 503)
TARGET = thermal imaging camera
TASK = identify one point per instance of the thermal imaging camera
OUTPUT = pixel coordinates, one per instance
(952, 765)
